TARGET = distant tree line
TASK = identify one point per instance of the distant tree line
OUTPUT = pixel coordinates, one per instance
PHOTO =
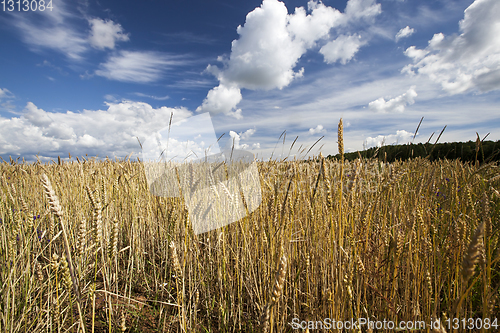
(483, 151)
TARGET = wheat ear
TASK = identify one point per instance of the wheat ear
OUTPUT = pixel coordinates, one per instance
(175, 260)
(279, 283)
(474, 253)
(55, 207)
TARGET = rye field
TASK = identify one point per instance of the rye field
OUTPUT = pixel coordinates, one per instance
(85, 247)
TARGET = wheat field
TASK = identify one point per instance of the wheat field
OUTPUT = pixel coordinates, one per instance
(85, 247)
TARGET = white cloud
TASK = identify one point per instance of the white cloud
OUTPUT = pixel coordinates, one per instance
(5, 93)
(6, 98)
(235, 141)
(235, 138)
(88, 141)
(235, 114)
(222, 99)
(157, 98)
(318, 129)
(401, 137)
(104, 34)
(37, 116)
(61, 30)
(310, 28)
(265, 54)
(362, 9)
(247, 134)
(191, 83)
(110, 98)
(415, 53)
(396, 104)
(468, 61)
(404, 32)
(271, 42)
(52, 30)
(343, 48)
(109, 132)
(139, 67)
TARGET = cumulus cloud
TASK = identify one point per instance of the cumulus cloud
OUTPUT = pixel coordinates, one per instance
(235, 138)
(405, 32)
(137, 66)
(343, 48)
(265, 54)
(464, 62)
(222, 99)
(415, 54)
(247, 134)
(104, 34)
(36, 116)
(401, 137)
(318, 129)
(271, 42)
(396, 104)
(111, 132)
(235, 141)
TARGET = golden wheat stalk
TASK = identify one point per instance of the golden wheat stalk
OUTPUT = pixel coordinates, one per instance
(279, 283)
(340, 137)
(474, 253)
(175, 260)
(57, 210)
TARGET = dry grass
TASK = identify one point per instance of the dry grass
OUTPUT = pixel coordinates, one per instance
(89, 248)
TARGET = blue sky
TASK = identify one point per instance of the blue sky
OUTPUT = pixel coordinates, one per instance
(90, 77)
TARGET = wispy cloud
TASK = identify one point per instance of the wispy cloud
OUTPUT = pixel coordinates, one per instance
(188, 37)
(66, 32)
(192, 83)
(5, 93)
(53, 30)
(157, 98)
(361, 10)
(6, 98)
(48, 64)
(110, 98)
(138, 66)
